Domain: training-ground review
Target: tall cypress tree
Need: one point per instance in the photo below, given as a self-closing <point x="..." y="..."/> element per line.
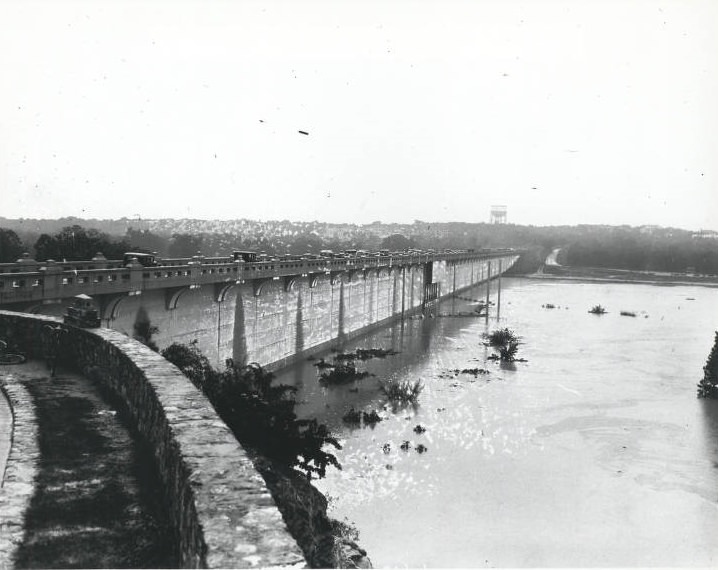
<point x="708" y="387"/>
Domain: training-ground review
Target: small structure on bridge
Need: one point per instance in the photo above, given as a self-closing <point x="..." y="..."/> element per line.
<point x="82" y="312"/>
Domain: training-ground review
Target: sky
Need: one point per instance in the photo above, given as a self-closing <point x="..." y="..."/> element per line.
<point x="567" y="112"/>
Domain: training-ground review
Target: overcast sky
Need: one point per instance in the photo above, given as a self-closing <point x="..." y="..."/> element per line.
<point x="566" y="112"/>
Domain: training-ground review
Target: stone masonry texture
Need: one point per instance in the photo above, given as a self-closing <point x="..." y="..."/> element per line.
<point x="221" y="510"/>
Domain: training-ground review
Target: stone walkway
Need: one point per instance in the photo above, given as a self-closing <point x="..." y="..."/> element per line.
<point x="96" y="502"/>
<point x="5" y="433"/>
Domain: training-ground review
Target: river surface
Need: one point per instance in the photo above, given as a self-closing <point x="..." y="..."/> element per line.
<point x="594" y="452"/>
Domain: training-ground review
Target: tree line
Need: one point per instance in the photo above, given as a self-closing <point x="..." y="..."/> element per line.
<point x="622" y="247"/>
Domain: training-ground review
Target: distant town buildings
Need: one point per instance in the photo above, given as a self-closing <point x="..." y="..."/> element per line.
<point x="706" y="234"/>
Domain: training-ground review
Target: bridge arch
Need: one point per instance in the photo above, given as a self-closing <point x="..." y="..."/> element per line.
<point x="290" y="282"/>
<point x="172" y="296"/>
<point x="221" y="290"/>
<point x="109" y="306"/>
<point x="258" y="286"/>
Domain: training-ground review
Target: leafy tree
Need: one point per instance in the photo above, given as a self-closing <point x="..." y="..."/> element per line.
<point x="77" y="243"/>
<point x="145" y="240"/>
<point x="11" y="247"/>
<point x="260" y="415"/>
<point x="397" y="242"/>
<point x="185" y="245"/>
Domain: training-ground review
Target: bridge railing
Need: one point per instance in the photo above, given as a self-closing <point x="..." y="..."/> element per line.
<point x="35" y="281"/>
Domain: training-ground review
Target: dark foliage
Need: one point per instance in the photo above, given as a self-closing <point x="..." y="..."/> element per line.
<point x="352" y="417"/>
<point x="185" y="245"/>
<point x="708" y="386"/>
<point x="397" y="242"/>
<point x="654" y="250"/>
<point x="146" y="241"/>
<point x="11" y="247"/>
<point x="342" y="374"/>
<point x="260" y="414"/>
<point x="144" y="331"/>
<point x="505" y="343"/>
<point x="365" y="354"/>
<point x="371" y="418"/>
<point x="402" y="391"/>
<point x="75" y="243"/>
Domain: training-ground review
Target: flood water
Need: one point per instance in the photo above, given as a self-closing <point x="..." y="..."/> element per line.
<point x="595" y="452"/>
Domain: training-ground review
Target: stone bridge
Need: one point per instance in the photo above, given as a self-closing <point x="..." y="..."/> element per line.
<point x="269" y="312"/>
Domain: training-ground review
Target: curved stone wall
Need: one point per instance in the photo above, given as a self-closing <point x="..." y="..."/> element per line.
<point x="16" y="483"/>
<point x="222" y="512"/>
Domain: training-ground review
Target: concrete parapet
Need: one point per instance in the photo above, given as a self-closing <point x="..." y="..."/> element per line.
<point x="222" y="513"/>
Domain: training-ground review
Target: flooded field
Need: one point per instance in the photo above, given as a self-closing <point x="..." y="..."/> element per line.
<point x="594" y="452"/>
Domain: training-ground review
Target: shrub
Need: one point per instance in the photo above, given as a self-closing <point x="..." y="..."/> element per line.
<point x="598" y="310"/>
<point x="342" y="374"/>
<point x="352" y="417"/>
<point x="505" y="343"/>
<point x="402" y="390"/>
<point x="371" y="418"/>
<point x="260" y="415"/>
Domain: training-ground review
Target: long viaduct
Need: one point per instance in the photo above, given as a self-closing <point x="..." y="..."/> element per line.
<point x="268" y="312"/>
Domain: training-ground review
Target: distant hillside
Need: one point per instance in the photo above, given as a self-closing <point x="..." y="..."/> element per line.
<point x="642" y="248"/>
<point x="51" y="226"/>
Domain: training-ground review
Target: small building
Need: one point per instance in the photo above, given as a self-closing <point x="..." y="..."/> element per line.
<point x="82" y="312"/>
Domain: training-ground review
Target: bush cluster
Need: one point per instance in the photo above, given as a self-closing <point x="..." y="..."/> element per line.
<point x="260" y="414"/>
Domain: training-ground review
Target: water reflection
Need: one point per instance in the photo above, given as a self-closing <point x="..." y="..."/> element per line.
<point x="593" y="452"/>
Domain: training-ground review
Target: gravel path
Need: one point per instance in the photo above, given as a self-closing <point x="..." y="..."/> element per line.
<point x="95" y="503"/>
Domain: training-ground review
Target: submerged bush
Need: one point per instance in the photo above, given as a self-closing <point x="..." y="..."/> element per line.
<point x="342" y="374"/>
<point x="352" y="417"/>
<point x="708" y="386"/>
<point x="371" y="418"/>
<point x="598" y="310"/>
<point x="260" y="415"/>
<point x="402" y="390"/>
<point x="505" y="343"/>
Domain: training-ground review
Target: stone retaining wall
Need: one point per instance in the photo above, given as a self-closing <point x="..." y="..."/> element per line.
<point x="16" y="486"/>
<point x="222" y="512"/>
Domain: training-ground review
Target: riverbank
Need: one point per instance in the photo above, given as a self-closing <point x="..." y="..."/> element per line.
<point x="606" y="275"/>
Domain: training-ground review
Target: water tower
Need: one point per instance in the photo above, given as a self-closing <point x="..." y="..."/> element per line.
<point x="498" y="214"/>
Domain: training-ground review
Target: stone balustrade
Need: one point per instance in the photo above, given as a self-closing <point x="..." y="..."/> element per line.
<point x="28" y="281"/>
